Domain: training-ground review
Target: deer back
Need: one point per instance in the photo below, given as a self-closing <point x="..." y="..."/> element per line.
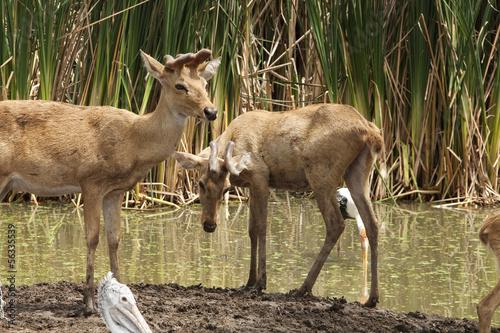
<point x="50" y="148"/>
<point x="281" y="145"/>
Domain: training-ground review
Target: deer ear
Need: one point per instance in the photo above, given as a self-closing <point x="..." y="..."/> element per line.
<point x="154" y="67"/>
<point x="208" y="69"/>
<point x="240" y="162"/>
<point x="190" y="161"/>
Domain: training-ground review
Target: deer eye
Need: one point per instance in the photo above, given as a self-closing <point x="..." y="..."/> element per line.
<point x="181" y="87"/>
<point x="200" y="184"/>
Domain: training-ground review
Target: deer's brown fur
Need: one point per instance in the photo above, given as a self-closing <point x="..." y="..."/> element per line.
<point x="489" y="234"/>
<point x="54" y="148"/>
<point x="305" y="149"/>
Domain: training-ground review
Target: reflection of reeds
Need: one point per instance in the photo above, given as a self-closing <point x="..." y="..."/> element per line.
<point x="426" y="72"/>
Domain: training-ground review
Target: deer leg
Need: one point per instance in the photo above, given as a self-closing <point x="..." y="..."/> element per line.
<point x="258" y="206"/>
<point x="257" y="230"/>
<point x="486" y="308"/>
<point x="92" y="216"/>
<point x="356" y="178"/>
<point x="112" y="205"/>
<point x="252" y="232"/>
<point x="4" y="186"/>
<point x="327" y="199"/>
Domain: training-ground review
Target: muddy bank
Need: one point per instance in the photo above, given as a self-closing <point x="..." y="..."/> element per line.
<point x="57" y="307"/>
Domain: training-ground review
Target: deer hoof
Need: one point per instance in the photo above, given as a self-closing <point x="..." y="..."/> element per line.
<point x="90" y="308"/>
<point x="371" y="302"/>
<point x="301" y="291"/>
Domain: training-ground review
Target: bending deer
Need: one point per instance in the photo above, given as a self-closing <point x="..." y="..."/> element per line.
<point x="489" y="234"/>
<point x="53" y="148"/>
<point x="303" y="149"/>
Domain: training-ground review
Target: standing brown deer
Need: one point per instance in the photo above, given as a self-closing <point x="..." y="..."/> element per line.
<point x="489" y="234"/>
<point x="303" y="149"/>
<point x="53" y="148"/>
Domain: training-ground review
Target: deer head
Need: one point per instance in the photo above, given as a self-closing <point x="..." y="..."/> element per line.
<point x="185" y="79"/>
<point x="214" y="178"/>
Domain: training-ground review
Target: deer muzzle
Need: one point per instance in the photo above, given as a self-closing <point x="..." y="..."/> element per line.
<point x="209" y="227"/>
<point x="210" y="114"/>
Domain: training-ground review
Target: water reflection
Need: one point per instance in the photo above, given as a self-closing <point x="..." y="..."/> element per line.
<point x="430" y="259"/>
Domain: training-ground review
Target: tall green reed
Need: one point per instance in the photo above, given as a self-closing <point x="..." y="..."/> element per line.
<point x="17" y="61"/>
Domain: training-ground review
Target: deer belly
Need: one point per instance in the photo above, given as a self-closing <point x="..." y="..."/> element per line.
<point x="31" y="184"/>
<point x="291" y="180"/>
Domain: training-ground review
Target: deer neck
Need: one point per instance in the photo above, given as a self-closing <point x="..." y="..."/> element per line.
<point x="160" y="131"/>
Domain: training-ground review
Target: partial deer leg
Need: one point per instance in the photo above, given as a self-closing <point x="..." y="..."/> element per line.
<point x="112" y="205"/>
<point x="356" y="178"/>
<point x="257" y="231"/>
<point x="486" y="308"/>
<point x="92" y="216"/>
<point x="326" y="196"/>
<point x="253" y="233"/>
<point x="490" y="235"/>
<point x="4" y="186"/>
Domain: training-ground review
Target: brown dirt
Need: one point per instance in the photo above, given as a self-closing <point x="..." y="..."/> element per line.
<point x="58" y="307"/>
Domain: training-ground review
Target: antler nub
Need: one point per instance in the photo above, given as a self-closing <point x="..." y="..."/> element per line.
<point x="180" y="61"/>
<point x="188" y="59"/>
<point x="212" y="160"/>
<point x="201" y="56"/>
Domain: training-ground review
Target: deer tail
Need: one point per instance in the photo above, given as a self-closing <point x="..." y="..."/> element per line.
<point x="374" y="141"/>
<point x="376" y="144"/>
<point x="483" y="236"/>
<point x="483" y="233"/>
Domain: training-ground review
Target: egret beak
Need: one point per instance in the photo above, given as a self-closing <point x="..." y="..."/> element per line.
<point x="129" y="317"/>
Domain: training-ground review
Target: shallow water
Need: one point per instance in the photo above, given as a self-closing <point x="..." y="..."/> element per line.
<point x="430" y="258"/>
